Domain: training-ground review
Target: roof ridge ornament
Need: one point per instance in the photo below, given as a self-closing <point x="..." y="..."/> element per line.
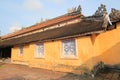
<point x="75" y="11"/>
<point x="101" y="11"/>
<point x="79" y="9"/>
<point x="114" y="15"/>
<point x="113" y="10"/>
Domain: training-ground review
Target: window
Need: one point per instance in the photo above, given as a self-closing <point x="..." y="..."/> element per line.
<point x="21" y="50"/>
<point x="69" y="48"/>
<point x="39" y="50"/>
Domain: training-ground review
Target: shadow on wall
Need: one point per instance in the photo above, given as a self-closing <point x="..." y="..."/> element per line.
<point x="110" y="57"/>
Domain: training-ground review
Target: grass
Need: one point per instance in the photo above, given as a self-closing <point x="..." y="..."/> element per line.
<point x="1" y="65"/>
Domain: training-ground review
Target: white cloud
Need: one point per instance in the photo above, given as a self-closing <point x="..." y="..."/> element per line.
<point x="80" y="0"/>
<point x="58" y="1"/>
<point x="32" y="5"/>
<point x="15" y="28"/>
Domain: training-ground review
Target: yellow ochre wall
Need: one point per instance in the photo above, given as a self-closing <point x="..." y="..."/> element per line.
<point x="90" y="50"/>
<point x="16" y="58"/>
<point x="110" y="46"/>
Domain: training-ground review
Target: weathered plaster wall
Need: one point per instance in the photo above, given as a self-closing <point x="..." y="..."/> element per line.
<point x="90" y="50"/>
<point x="21" y="59"/>
<point x="53" y="58"/>
<point x="110" y="46"/>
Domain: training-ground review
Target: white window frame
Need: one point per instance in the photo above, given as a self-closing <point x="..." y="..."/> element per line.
<point x="37" y="53"/>
<point x="21" y="50"/>
<point x="69" y="55"/>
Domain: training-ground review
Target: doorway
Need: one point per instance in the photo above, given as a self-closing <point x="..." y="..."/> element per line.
<point x="5" y="54"/>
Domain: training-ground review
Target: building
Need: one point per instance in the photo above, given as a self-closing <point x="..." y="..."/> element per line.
<point x="68" y="43"/>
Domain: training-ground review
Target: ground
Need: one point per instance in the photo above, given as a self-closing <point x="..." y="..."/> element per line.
<point x="20" y="72"/>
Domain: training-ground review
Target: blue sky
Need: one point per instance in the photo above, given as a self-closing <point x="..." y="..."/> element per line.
<point x="15" y="14"/>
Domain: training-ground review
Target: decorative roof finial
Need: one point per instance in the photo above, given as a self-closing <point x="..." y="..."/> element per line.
<point x="114" y="15"/>
<point x="79" y="9"/>
<point x="101" y="10"/>
<point x="75" y="11"/>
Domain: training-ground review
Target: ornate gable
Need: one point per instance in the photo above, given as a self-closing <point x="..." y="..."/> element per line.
<point x="114" y="15"/>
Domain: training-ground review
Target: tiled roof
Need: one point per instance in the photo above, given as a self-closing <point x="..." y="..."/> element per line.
<point x="85" y="27"/>
<point x="48" y="23"/>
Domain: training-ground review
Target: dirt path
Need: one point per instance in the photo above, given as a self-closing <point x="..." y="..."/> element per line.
<point x="20" y="72"/>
